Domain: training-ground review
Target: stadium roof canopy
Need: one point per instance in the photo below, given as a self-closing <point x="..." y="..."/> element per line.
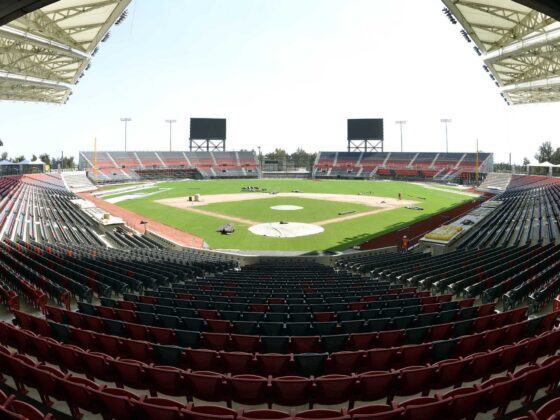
<point x="520" y="45"/>
<point x="46" y="51"/>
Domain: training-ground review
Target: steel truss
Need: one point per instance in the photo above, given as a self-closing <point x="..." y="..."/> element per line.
<point x="53" y="46"/>
<point x="199" y="145"/>
<point x="520" y="47"/>
<point x="365" y="145"/>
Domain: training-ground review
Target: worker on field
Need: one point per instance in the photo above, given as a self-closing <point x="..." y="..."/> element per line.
<point x="400" y="196"/>
<point x="404" y="244"/>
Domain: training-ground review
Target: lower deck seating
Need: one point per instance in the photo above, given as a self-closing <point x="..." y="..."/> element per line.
<point x="126" y="166"/>
<point x="140" y="331"/>
<point x="399" y="165"/>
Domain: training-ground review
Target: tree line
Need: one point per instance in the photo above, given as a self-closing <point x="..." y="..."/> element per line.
<point x="299" y="159"/>
<point x="54" y="163"/>
<point x="547" y="153"/>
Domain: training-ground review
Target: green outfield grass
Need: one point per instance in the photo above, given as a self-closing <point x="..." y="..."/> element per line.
<point x="337" y="236"/>
<point x="260" y="210"/>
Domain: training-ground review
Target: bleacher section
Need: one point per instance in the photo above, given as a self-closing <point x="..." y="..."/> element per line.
<point x="496" y="182"/>
<point x="221" y="345"/>
<point x="512" y="276"/>
<point x="407" y="165"/>
<point x="77" y="181"/>
<point x="126" y="166"/>
<point x="528" y="212"/>
<point x="183" y="334"/>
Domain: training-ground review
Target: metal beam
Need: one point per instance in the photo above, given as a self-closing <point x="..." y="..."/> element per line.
<point x="520" y="45"/>
<point x="548" y="7"/>
<point x="38" y="61"/>
<point x="32" y="90"/>
<point x="14" y="9"/>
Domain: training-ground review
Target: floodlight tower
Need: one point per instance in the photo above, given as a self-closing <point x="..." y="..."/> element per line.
<point x="170" y="122"/>
<point x="401" y="123"/>
<point x="125" y="120"/>
<point x="446" y="121"/>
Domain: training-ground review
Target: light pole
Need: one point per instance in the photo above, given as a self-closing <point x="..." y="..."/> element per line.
<point x="401" y="123"/>
<point x="260" y="162"/>
<point x="125" y="120"/>
<point x="446" y="121"/>
<point x="170" y="122"/>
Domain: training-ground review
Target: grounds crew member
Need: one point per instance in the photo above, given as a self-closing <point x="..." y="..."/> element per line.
<point x="404" y="244"/>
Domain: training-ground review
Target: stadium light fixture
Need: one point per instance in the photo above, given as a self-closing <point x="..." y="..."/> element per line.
<point x="401" y="123"/>
<point x="446" y="121"/>
<point x="170" y="122"/>
<point x="125" y="120"/>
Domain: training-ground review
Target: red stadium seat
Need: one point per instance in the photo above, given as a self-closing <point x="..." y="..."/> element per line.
<point x="116" y="402"/>
<point x="334" y="389"/>
<point x="291" y="390"/>
<point x="248" y="389"/>
<point x="264" y="414"/>
<point x="154" y="408"/>
<point x="376" y="412"/>
<point x="210" y="412"/>
<point x="321" y="414"/>
<point x="205" y="385"/>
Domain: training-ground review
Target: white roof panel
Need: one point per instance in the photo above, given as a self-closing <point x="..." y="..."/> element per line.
<point x="520" y="46"/>
<point x="54" y="44"/>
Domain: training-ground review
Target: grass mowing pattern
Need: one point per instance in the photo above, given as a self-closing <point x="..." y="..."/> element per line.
<point x="337" y="236"/>
<point x="260" y="211"/>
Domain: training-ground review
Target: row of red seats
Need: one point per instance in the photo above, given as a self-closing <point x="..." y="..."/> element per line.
<point x="218" y="315"/>
<point x="9" y="297"/>
<point x="80" y="393"/>
<point x="14" y="409"/>
<point x="233" y="290"/>
<point x="549" y="411"/>
<point x="220" y="341"/>
<point x="280" y="364"/>
<point x="103" y="366"/>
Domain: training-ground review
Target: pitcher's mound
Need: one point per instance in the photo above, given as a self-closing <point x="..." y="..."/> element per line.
<point x="286" y="207"/>
<point x="287" y="230"/>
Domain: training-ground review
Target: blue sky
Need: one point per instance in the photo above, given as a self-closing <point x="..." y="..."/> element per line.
<point x="286" y="73"/>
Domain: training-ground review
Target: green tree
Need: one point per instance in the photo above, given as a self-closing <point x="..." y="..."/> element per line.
<point x="555" y="158"/>
<point x="67" y="163"/>
<point x="502" y="167"/>
<point x="545" y="152"/>
<point x="18" y="159"/>
<point x="526" y="161"/>
<point x="4" y="156"/>
<point x="45" y="158"/>
<point x="301" y="159"/>
<point x="277" y="154"/>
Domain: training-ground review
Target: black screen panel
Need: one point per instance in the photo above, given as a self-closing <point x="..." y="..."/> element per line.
<point x="365" y="129"/>
<point x="208" y="128"/>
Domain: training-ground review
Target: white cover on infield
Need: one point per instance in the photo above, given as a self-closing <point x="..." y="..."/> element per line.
<point x="286" y="207"/>
<point x="288" y="230"/>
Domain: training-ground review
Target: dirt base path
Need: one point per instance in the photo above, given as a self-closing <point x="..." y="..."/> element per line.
<point x="351" y="217"/>
<point x="223" y="216"/>
<point x="133" y="220"/>
<point x="367" y="200"/>
<point x="381" y="204"/>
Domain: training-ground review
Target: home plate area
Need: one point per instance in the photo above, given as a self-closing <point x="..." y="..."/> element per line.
<point x="285" y="230"/>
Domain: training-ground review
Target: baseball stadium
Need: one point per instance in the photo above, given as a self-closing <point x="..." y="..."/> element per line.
<point x="213" y="283"/>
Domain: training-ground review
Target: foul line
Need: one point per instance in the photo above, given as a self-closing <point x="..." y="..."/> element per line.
<point x="351" y="217"/>
<point x="320" y="223"/>
<point x="223" y="216"/>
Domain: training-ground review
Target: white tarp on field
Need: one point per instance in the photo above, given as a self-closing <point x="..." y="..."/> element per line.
<point x="285" y="230"/>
